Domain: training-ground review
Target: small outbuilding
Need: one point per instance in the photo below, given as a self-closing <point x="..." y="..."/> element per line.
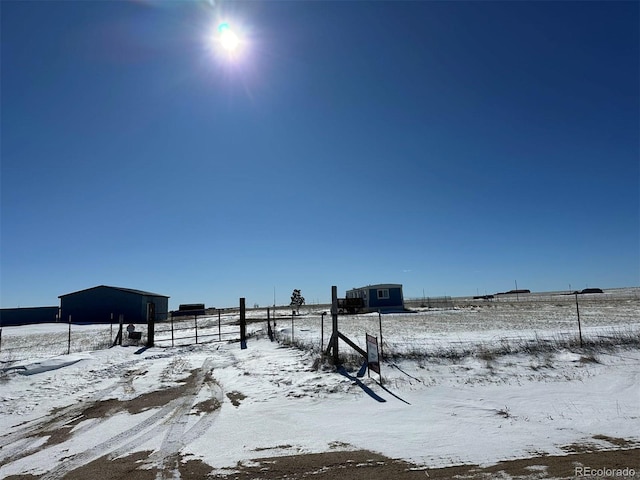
<point x="104" y="304"/>
<point x="28" y="316"/>
<point x="384" y="297"/>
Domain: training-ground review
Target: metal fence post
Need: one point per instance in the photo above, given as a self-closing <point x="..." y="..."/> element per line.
<point x="69" y="338"/>
<point x="579" y="326"/>
<point x="172" y="344"/>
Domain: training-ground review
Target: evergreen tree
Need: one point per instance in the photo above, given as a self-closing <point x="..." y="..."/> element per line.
<point x="297" y="300"/>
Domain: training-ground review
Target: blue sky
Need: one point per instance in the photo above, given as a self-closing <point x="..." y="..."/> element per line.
<point x="453" y="147"/>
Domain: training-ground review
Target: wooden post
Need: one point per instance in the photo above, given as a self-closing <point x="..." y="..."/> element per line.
<point x="121" y="321"/>
<point x="69" y="339"/>
<point x="219" y="331"/>
<point x="151" y="323"/>
<point x="349" y="342"/>
<point x="334" y="324"/>
<point x="243" y="325"/>
<point x="195" y="319"/>
<point x="292" y="316"/>
<point x="111" y="329"/>
<point x="380" y="320"/>
<point x="322" y="331"/>
<point x="579" y="326"/>
<point x="269" y="330"/>
<point x="118" y="339"/>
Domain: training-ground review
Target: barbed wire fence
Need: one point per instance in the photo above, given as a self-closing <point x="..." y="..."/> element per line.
<point x="439" y="326"/>
<point x="60" y="339"/>
<point x="476" y="326"/>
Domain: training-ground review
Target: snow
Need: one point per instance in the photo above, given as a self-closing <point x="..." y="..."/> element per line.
<point x="225" y="405"/>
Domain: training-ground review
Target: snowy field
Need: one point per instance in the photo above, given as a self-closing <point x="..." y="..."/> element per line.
<point x="473" y="385"/>
<point x="508" y="324"/>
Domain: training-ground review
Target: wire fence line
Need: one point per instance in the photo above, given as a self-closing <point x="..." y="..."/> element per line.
<point x="195" y="329"/>
<point x="26" y="342"/>
<point x="429" y="302"/>
<point x="17" y="343"/>
<point x="539" y="325"/>
<point x="435" y="327"/>
<point x="568" y="296"/>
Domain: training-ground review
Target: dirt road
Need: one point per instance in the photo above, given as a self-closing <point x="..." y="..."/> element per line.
<point x="364" y="465"/>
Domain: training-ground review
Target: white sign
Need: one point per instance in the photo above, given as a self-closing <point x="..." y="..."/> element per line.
<point x="372" y="354"/>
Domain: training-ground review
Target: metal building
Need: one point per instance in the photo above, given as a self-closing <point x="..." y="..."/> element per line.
<point x="384" y="297"/>
<point x="27" y="316"/>
<point x="104" y="304"/>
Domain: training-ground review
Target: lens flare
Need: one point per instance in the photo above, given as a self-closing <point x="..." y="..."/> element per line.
<point x="228" y="39"/>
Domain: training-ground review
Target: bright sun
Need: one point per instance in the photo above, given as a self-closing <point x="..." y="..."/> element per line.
<point x="228" y="39"/>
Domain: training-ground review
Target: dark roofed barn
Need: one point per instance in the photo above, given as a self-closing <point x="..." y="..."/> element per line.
<point x="101" y="304"/>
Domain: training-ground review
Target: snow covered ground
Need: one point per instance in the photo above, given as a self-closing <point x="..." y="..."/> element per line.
<point x="226" y="407"/>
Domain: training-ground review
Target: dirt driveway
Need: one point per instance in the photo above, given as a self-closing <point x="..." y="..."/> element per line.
<point x="364" y="465"/>
<point x="122" y="456"/>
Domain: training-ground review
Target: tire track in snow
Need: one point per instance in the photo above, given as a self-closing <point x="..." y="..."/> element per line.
<point x="28" y="439"/>
<point x="169" y="421"/>
<point x="167" y="458"/>
<point x="193" y="433"/>
<point x="205" y="422"/>
<point x="99" y="450"/>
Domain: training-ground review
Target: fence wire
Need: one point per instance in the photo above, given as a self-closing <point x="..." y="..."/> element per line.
<point x="546" y="323"/>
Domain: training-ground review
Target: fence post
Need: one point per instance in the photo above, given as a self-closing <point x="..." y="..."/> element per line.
<point x="69" y="338"/>
<point x="292" y="317"/>
<point x="120" y="321"/>
<point x="243" y="325"/>
<point x="269" y="331"/>
<point x="579" y="326"/>
<point x="322" y="331"/>
<point x="151" y="324"/>
<point x="195" y="319"/>
<point x="334" y="324"/>
<point x="172" y="344"/>
<point x="219" y="331"/>
<point x="381" y="351"/>
<point x="111" y="329"/>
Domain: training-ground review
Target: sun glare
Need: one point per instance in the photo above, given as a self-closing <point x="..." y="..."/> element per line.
<point x="229" y="41"/>
<point x="228" y="38"/>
